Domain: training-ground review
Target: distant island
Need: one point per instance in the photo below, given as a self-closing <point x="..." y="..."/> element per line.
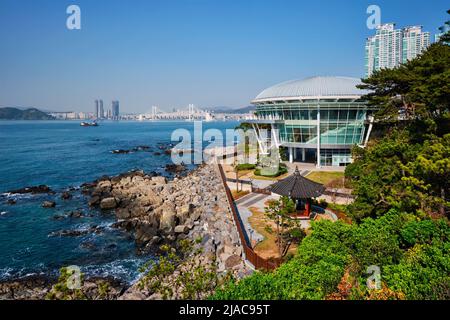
<point x="27" y="114"/>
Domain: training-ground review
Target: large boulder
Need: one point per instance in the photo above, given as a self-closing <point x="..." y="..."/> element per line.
<point x="149" y="198"/>
<point x="95" y="200"/>
<point x="232" y="261"/>
<point x="137" y="179"/>
<point x="48" y="204"/>
<point x="175" y="168"/>
<point x="66" y="195"/>
<point x="123" y="213"/>
<point x="132" y="294"/>
<point x="183" y="212"/>
<point x="104" y="185"/>
<point x="167" y="220"/>
<point x="181" y="229"/>
<point x="145" y="232"/>
<point x="108" y="203"/>
<point x="159" y="180"/>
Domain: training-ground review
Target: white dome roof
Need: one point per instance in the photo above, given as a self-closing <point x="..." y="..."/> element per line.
<point x="314" y="87"/>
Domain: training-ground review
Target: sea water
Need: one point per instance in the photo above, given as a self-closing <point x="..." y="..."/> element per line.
<point x="62" y="154"/>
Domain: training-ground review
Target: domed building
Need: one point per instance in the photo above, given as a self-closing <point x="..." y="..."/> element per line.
<point x="317" y="119"/>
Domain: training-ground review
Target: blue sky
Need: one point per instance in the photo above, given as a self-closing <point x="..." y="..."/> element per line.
<point x="171" y="53"/>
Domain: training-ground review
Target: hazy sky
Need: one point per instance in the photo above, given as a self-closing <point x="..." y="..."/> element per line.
<point x="172" y="53"/>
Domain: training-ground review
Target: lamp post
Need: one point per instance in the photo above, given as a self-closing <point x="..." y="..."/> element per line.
<point x="237" y="178"/>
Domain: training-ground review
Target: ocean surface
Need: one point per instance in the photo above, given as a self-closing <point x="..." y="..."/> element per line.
<point x="64" y="155"/>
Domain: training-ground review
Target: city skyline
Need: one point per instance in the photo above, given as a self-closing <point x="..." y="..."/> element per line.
<point x="202" y="52"/>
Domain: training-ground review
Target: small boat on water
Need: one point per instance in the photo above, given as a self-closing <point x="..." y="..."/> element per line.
<point x="89" y="124"/>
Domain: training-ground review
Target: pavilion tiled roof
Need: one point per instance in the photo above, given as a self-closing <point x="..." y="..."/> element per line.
<point x="298" y="187"/>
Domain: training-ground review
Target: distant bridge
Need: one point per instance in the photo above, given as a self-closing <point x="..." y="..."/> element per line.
<point x="190" y="113"/>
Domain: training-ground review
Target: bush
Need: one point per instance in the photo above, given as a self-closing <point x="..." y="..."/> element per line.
<point x="245" y="166"/>
<point x="423" y="274"/>
<point x="282" y="169"/>
<point x="423" y="232"/>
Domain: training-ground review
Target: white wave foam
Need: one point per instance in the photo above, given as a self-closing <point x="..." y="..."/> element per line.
<point x="124" y="269"/>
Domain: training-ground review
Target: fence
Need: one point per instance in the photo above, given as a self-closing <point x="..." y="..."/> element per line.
<point x="239" y="181"/>
<point x="330" y="193"/>
<point x="257" y="261"/>
<point x="261" y="190"/>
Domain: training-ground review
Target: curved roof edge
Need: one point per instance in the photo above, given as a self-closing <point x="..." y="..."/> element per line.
<point x="313" y="88"/>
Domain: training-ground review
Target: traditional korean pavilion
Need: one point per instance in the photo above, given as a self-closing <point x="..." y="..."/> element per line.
<point x="300" y="189"/>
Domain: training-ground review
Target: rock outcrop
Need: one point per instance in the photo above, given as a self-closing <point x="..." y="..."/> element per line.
<point x="38" y="287"/>
<point x="48" y="204"/>
<point x="159" y="211"/>
<point x="33" y="190"/>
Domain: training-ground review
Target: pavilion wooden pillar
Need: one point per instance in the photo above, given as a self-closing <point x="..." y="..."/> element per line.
<point x="308" y="207"/>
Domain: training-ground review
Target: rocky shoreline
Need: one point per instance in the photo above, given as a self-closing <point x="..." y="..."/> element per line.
<point x="38" y="287"/>
<point x="156" y="212"/>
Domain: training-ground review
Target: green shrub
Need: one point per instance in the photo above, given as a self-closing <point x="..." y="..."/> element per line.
<point x="282" y="169"/>
<point x="245" y="166"/>
<point x="422" y="232"/>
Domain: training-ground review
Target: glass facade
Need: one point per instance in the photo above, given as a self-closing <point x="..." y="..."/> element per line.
<point x="332" y="157"/>
<point x="341" y="123"/>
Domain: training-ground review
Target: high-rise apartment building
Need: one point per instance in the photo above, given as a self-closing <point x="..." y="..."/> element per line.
<point x="97" y="110"/>
<point x="115" y="110"/>
<point x="390" y="47"/>
<point x="102" y="111"/>
<point x="414" y="42"/>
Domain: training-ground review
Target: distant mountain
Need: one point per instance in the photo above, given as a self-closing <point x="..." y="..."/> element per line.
<point x="27" y="114"/>
<point x="232" y="110"/>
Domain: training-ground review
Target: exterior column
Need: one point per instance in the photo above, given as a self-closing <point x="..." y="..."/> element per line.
<point x="318" y="136"/>
<point x="371" y="118"/>
<point x="303" y="154"/>
<point x="291" y="155"/>
<point x="308" y="207"/>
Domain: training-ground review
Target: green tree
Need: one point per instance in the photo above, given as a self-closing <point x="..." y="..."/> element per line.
<point x="429" y="173"/>
<point x="287" y="229"/>
<point x="418" y="89"/>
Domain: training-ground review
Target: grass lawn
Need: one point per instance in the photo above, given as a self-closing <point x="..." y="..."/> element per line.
<point x="269" y="178"/>
<point x="325" y="177"/>
<point x="239" y="194"/>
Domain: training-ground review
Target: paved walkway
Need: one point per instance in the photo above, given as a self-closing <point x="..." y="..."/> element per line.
<point x="243" y="205"/>
<point x="263" y="183"/>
